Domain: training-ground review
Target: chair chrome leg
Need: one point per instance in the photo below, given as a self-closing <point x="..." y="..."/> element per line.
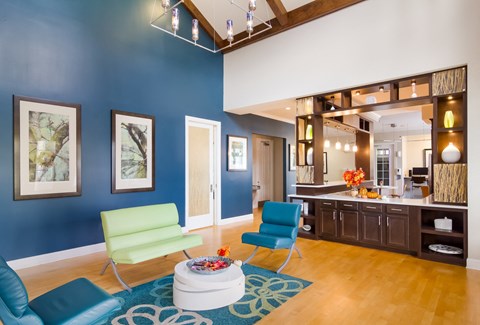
<point x="288" y="259"/>
<point x="124" y="285"/>
<point x="104" y="268"/>
<point x="251" y="256"/>
<point x="298" y="251"/>
<point x="186" y="254"/>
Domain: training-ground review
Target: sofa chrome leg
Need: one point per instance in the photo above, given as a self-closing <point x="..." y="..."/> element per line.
<point x="251" y="256"/>
<point x="298" y="251"/>
<point x="104" y="268"/>
<point x="187" y="255"/>
<point x="124" y="285"/>
<point x="286" y="261"/>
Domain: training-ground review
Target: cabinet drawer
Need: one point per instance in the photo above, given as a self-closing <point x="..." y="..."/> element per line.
<point x="397" y="209"/>
<point x="325" y="204"/>
<point x="374" y="207"/>
<point x="347" y="205"/>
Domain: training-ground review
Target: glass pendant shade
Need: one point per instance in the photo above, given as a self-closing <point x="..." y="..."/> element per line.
<point x="310" y="156"/>
<point x="414" y="89"/>
<point x="249" y="22"/>
<point x="451" y="154"/>
<point x="195" y="30"/>
<point x="338" y="145"/>
<point x="166" y="4"/>
<point x="346" y="147"/>
<point x="175" y="19"/>
<point x="448" y="119"/>
<point x="252" y="5"/>
<point x="354" y="148"/>
<point x="230" y="30"/>
<point x="326" y="144"/>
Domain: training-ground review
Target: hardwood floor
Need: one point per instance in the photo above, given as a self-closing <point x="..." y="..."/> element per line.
<point x="351" y="285"/>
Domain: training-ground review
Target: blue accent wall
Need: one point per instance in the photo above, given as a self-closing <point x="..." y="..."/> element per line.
<point x="104" y="55"/>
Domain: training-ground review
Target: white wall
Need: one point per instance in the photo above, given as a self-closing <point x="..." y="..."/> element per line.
<point x="338" y="160"/>
<point x="412" y="151"/>
<point x="372" y="41"/>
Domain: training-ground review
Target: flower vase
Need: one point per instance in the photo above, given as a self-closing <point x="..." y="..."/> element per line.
<point x="354" y="191"/>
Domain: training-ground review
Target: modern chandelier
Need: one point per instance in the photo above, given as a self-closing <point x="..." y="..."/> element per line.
<point x="169" y="21"/>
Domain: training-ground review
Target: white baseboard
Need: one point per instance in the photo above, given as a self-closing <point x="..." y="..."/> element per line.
<point x="247" y="217"/>
<point x="473" y="263"/>
<point x="24" y="263"/>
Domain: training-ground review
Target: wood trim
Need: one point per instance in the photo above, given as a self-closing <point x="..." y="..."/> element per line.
<point x="297" y="17"/>
<point x="279" y="10"/>
<point x="207" y="27"/>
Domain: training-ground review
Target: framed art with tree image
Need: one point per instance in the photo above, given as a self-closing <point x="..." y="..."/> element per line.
<point x="237" y="153"/>
<point x="133" y="152"/>
<point x="47" y="148"/>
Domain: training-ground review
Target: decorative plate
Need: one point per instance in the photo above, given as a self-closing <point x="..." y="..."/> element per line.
<point x="209" y="264"/>
<point x="445" y="249"/>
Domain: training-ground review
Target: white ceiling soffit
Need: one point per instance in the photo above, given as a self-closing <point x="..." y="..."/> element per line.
<point x="218" y="11"/>
<point x="294" y="4"/>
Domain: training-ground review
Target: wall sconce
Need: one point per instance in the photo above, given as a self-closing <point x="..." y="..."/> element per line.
<point x="448" y="119"/>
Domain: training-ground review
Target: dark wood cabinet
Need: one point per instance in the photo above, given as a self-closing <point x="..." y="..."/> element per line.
<point x="372" y="228"/>
<point x="397" y="231"/>
<point x="349" y="225"/>
<point x="328" y="221"/>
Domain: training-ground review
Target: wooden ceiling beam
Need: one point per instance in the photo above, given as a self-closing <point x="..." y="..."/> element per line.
<point x="279" y="10"/>
<point x="299" y="16"/>
<point x="207" y="27"/>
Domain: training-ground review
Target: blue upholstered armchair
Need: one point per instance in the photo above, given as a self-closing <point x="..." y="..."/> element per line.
<point x="77" y="302"/>
<point x="278" y="230"/>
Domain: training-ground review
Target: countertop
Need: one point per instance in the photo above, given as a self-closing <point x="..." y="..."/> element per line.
<point x="343" y="196"/>
<point x="328" y="184"/>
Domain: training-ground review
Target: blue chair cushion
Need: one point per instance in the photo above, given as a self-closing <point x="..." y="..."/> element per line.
<point x="76" y="302"/>
<point x="265" y="240"/>
<point x="281" y="213"/>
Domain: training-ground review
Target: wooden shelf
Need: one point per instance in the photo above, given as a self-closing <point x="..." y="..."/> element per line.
<point x="433" y="231"/>
<point x="308" y="216"/>
<point x="444" y="258"/>
<point x="449" y="130"/>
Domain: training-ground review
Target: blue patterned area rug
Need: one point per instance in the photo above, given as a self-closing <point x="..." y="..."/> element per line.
<point x="152" y="303"/>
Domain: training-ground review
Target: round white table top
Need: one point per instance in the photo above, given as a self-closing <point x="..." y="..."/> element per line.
<point x="222" y="280"/>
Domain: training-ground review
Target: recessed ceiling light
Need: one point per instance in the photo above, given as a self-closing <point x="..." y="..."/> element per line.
<point x="450" y="97"/>
<point x="288" y="108"/>
<point x="357" y="93"/>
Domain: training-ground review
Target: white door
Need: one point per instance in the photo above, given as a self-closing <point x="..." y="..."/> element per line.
<point x="201" y="178"/>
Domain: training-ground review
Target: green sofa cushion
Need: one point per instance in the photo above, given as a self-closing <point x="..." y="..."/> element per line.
<point x="130" y="220"/>
<point x="148" y="251"/>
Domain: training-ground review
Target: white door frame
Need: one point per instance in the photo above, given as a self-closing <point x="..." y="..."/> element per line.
<point x="217" y="170"/>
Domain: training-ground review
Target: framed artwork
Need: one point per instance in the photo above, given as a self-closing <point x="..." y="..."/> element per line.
<point x="427" y="158"/>
<point x="325" y="163"/>
<point x="237" y="153"/>
<point x="133" y="152"/>
<point x="292" y="157"/>
<point x="47" y="143"/>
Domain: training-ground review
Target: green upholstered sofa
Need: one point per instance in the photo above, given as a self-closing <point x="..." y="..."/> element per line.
<point x="138" y="234"/>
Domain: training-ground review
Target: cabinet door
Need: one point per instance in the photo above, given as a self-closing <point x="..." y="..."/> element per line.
<point x="372" y="228"/>
<point x="328" y="219"/>
<point x="349" y="225"/>
<point x="397" y="231"/>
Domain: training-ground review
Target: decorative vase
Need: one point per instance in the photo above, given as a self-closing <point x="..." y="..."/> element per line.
<point x="354" y="191"/>
<point x="450" y="154"/>
<point x="448" y="119"/>
<point x="309" y="132"/>
<point x="310" y="157"/>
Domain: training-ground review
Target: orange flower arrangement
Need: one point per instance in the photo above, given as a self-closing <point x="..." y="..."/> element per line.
<point x="354" y="177"/>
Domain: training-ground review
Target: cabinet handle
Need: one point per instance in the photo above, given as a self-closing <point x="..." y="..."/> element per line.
<point x="369" y="207"/>
<point x="395" y="209"/>
<point x="334" y="215"/>
<point x="341" y="217"/>
<point x="379" y="220"/>
<point x="388" y="221"/>
<point x="347" y="205"/>
<point x="327" y="203"/>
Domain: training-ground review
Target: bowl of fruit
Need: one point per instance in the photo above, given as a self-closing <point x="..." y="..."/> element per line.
<point x="209" y="264"/>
